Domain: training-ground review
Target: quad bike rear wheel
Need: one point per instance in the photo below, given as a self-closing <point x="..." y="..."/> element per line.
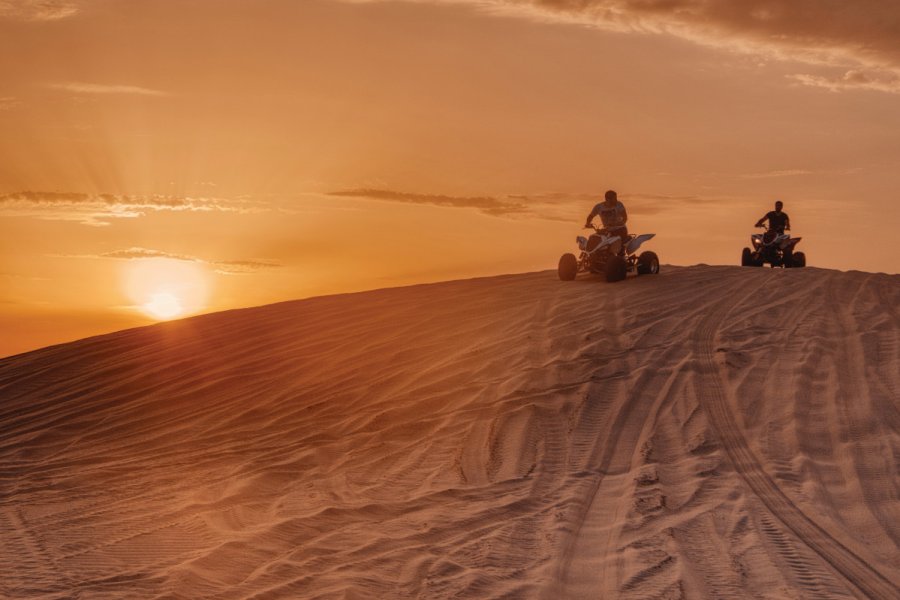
<point x="616" y="268"/>
<point x="798" y="260"/>
<point x="787" y="259"/>
<point x="568" y="267"/>
<point x="648" y="263"/>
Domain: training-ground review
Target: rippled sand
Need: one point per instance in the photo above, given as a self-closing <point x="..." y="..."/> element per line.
<point x="710" y="432"/>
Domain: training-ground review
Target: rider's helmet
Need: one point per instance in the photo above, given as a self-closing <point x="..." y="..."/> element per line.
<point x="779" y="205"/>
<point x="610" y="196"/>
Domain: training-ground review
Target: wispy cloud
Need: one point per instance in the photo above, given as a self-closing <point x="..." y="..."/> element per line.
<point x="224" y="267"/>
<point x="101" y="209"/>
<point x="37" y="10"/>
<point x="778" y="173"/>
<point x="76" y="87"/>
<point x="864" y="34"/>
<point x="651" y="204"/>
<point x="554" y="206"/>
<point x="8" y="102"/>
<point x="486" y="204"/>
<point x="105" y="89"/>
<point x="853" y="80"/>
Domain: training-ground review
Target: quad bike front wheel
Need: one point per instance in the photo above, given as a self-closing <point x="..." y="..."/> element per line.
<point x="648" y="263"/>
<point x="798" y="260"/>
<point x="568" y="267"/>
<point x="616" y="268"/>
<point x="746" y="258"/>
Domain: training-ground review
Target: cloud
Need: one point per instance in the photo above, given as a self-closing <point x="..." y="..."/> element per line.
<point x="101" y="209"/>
<point x="863" y="34"/>
<point x="496" y="207"/>
<point x="105" y="89"/>
<point x="652" y="204"/>
<point x="567" y="206"/>
<point x="224" y="267"/>
<point x="853" y="80"/>
<point x="8" y="102"/>
<point x="778" y="173"/>
<point x="37" y="10"/>
<point x="553" y="206"/>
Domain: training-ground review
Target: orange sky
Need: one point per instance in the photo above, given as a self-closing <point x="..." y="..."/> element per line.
<point x="243" y="152"/>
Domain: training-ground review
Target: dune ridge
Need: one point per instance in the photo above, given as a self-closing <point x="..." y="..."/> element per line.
<point x="708" y="432"/>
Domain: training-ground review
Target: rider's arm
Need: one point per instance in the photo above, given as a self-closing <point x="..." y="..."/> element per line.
<point x="590" y="217"/>
<point x="624" y="215"/>
<point x="787" y="222"/>
<point x="760" y="222"/>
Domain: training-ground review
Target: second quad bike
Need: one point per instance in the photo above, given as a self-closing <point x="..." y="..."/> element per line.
<point x="608" y="254"/>
<point x="775" y="248"/>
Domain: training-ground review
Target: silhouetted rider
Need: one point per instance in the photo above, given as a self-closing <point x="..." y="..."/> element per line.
<point x="778" y="220"/>
<point x="612" y="214"/>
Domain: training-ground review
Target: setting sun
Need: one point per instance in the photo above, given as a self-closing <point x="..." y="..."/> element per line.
<point x="163" y="306"/>
<point x="163" y="288"/>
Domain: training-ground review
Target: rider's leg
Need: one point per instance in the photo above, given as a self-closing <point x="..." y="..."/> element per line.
<point x="623" y="234"/>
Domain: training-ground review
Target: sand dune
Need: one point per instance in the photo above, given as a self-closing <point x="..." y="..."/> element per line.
<point x="712" y="432"/>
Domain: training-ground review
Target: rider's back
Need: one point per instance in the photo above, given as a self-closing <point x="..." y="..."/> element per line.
<point x="777" y="220"/>
<point x="611" y="216"/>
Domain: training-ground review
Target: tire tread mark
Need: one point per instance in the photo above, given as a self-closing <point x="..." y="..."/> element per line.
<point x="714" y="399"/>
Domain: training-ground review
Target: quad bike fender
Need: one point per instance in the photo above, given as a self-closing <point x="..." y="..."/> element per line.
<point x="613" y="245"/>
<point x="603" y="244"/>
<point x="791" y="243"/>
<point x="634" y="244"/>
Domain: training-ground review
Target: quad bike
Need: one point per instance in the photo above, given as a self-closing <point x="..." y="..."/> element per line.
<point x="606" y="254"/>
<point x="774" y="248"/>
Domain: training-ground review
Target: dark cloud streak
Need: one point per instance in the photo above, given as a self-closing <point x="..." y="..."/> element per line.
<point x="861" y="37"/>
<point x="77" y="87"/>
<point x="224" y="267"/>
<point x="100" y="209"/>
<point x="495" y="207"/>
<point x="554" y="206"/>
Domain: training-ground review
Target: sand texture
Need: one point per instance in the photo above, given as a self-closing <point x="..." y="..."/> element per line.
<point x="710" y="432"/>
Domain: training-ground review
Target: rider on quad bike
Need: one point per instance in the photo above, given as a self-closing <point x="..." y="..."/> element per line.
<point x="774" y="246"/>
<point x="609" y="250"/>
<point x="778" y="221"/>
<point x="613" y="216"/>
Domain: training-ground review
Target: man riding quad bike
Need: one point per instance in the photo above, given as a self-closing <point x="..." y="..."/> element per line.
<point x="775" y="246"/>
<point x="610" y="250"/>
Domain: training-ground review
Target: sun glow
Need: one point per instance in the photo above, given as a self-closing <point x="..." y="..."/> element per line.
<point x="164" y="288"/>
<point x="163" y="306"/>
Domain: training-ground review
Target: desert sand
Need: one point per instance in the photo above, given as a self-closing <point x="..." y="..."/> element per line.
<point x="710" y="432"/>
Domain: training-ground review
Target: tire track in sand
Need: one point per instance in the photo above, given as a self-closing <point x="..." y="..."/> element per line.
<point x="713" y="394"/>
<point x="17" y="538"/>
<point x="612" y="454"/>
